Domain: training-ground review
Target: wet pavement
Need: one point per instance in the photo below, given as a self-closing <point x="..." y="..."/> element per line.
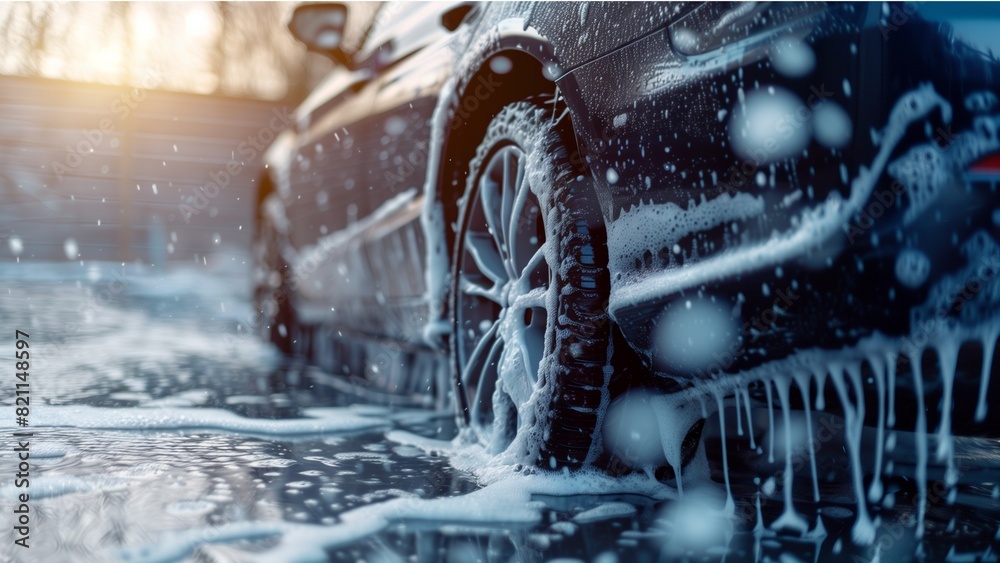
<point x="162" y="430"/>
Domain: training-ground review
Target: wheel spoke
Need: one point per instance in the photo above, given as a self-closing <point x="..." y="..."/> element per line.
<point x="472" y="365"/>
<point x="510" y="163"/>
<point x="471" y="288"/>
<point x="534" y="299"/>
<point x="518" y="241"/>
<point x="537" y="265"/>
<point x="481" y="247"/>
<point x="518" y="382"/>
<point x="533" y="342"/>
<point x="490" y="199"/>
<point x="504" y="274"/>
<point x="483" y="400"/>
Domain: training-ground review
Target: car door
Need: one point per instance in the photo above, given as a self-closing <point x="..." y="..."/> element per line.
<point x="417" y="47"/>
<point x="358" y="173"/>
<point x="329" y="185"/>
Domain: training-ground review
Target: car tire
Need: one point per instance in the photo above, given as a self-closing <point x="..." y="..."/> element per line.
<point x="530" y="336"/>
<point x="274" y="315"/>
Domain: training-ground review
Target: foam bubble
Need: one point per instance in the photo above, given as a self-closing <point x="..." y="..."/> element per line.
<point x="631" y="432"/>
<point x="768" y="126"/>
<point x="792" y="58"/>
<point x="832" y="125"/>
<point x="693" y="334"/>
<point x="912" y="268"/>
<point x="71" y="249"/>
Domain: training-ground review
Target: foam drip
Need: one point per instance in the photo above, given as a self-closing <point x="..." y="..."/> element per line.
<point x="891" y="359"/>
<point x="770" y="424"/>
<point x="668" y="419"/>
<point x="802" y="380"/>
<point x="820" y="377"/>
<point x="746" y="403"/>
<point x="863" y="531"/>
<point x="843" y="369"/>
<point x="739" y="416"/>
<point x="947" y="358"/>
<point x="730" y="504"/>
<point x="989" y="344"/>
<point x="918" y="386"/>
<point x="875" y="489"/>
<point x="789" y="519"/>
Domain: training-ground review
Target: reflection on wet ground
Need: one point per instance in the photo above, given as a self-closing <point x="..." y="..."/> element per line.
<point x="164" y="431"/>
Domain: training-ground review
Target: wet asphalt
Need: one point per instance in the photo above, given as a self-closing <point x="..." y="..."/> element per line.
<point x="142" y="383"/>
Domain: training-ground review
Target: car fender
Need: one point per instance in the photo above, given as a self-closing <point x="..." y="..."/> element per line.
<point x="509" y="35"/>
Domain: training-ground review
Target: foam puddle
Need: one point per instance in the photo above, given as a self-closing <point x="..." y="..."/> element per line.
<point x="508" y="497"/>
<point x="504" y="501"/>
<point x="321" y="421"/>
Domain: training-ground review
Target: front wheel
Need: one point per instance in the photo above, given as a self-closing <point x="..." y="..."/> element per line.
<point x="530" y="332"/>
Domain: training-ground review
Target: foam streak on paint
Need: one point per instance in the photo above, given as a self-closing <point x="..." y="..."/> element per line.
<point x="814" y="226"/>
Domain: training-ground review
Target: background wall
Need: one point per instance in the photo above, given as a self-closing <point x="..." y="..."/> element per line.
<point x="114" y="114"/>
<point x="97" y="172"/>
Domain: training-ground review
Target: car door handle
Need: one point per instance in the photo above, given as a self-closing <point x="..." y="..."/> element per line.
<point x="453" y="17"/>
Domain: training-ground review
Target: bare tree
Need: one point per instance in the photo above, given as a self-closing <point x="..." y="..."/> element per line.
<point x="248" y="51"/>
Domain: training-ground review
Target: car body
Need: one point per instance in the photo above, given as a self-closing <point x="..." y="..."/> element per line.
<point x="782" y="186"/>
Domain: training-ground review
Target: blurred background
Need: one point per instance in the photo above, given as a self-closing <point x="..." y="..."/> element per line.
<point x="114" y="116"/>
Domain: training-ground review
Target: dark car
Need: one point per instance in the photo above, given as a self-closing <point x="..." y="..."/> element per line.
<point x="536" y="209"/>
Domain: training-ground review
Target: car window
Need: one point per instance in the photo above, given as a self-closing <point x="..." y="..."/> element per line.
<point x="404" y="24"/>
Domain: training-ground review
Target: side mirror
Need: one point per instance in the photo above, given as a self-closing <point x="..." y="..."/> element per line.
<point x="320" y="27"/>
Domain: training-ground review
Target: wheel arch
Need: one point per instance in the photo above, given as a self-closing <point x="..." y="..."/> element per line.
<point x="471" y="112"/>
<point x="461" y="121"/>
